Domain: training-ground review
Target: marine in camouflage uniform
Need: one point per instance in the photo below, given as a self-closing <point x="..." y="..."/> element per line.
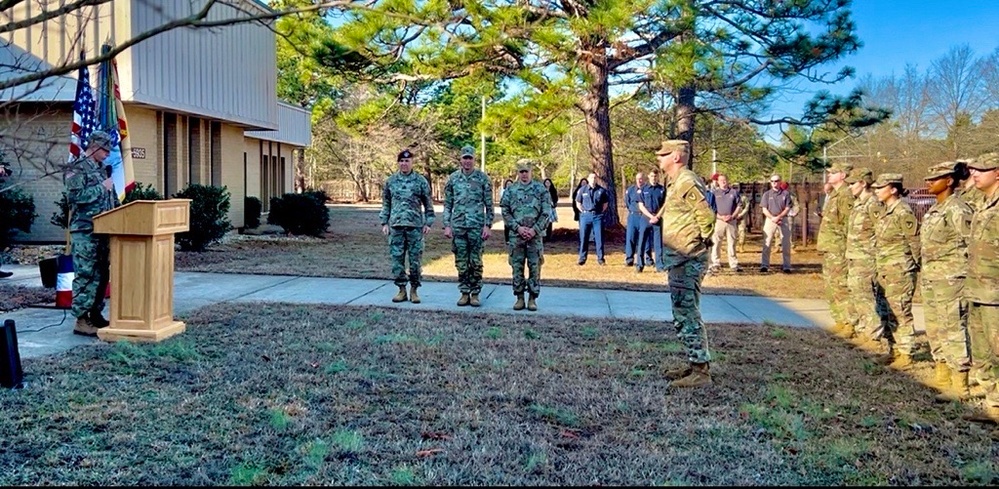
<point x="741" y="217"/>
<point x="868" y="310"/>
<point x="688" y="224"/>
<point x="896" y="238"/>
<point x="944" y="237"/>
<point x="468" y="218"/>
<point x="89" y="192"/>
<point x="407" y="214"/>
<point x="527" y="207"/>
<point x="832" y="245"/>
<point x="981" y="287"/>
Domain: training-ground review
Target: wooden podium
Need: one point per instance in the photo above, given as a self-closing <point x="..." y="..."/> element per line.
<point x="142" y="268"/>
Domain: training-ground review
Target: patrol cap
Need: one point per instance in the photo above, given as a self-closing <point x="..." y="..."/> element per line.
<point x="672" y="146"/>
<point x="524" y="164"/>
<point x="99" y="139"/>
<point x="985" y="162"/>
<point x="941" y="170"/>
<point x="886" y="179"/>
<point x="862" y="174"/>
<point x="467" y="151"/>
<point x="840" y="167"/>
<point x="405" y="154"/>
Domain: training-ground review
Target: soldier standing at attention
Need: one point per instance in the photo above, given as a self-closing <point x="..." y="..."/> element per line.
<point x="896" y="241"/>
<point x="526" y="209"/>
<point x="90" y="192"/>
<point x="632" y="238"/>
<point x="688" y="224"/>
<point x="868" y="310"/>
<point x="981" y="287"/>
<point x="832" y="245"/>
<point x="468" y="218"/>
<point x="405" y="223"/>
<point x="944" y="239"/>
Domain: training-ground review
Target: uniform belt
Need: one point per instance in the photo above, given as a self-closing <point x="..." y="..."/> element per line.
<point x="590" y="212"/>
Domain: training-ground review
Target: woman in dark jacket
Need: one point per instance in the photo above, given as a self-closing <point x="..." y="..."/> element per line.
<point x="553" y="192"/>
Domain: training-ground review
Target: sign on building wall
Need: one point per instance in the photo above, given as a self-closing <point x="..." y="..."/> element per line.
<point x="139" y="153"/>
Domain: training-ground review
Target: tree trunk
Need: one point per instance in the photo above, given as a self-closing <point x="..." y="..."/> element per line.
<point x="299" y="158"/>
<point x="685" y="118"/>
<point x="596" y="113"/>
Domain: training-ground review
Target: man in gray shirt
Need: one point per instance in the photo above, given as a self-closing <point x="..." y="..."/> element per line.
<point x="776" y="204"/>
<point x="728" y="203"/>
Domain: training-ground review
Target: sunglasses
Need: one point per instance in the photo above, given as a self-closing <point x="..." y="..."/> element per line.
<point x="523" y="171"/>
<point x="774" y="181"/>
<point x="466" y="157"/>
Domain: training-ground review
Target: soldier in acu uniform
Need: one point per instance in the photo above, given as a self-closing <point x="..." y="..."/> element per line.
<point x="468" y="218"/>
<point x="90" y="192"/>
<point x="981" y="287"/>
<point x="867" y="310"/>
<point x="526" y="209"/>
<point x="896" y="239"/>
<point x="944" y="240"/>
<point x="407" y="214"/>
<point x="688" y="224"/>
<point x="832" y="245"/>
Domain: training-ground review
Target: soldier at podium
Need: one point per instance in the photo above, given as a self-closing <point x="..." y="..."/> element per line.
<point x="89" y="192"/>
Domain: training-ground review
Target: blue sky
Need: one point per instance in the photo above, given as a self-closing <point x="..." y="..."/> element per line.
<point x="899" y="32"/>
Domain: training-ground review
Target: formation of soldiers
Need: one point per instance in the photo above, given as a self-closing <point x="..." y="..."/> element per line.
<point x="874" y="250"/>
<point x="685" y="227"/>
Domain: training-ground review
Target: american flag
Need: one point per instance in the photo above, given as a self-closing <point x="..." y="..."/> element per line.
<point x="84" y="114"/>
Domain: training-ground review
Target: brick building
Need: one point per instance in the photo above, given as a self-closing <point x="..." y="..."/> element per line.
<point x="201" y="103"/>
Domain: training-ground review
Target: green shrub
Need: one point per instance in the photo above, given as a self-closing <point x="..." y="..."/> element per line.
<point x="209" y="216"/>
<point x="141" y="192"/>
<point x="17" y="213"/>
<point x="251" y="212"/>
<point x="303" y="213"/>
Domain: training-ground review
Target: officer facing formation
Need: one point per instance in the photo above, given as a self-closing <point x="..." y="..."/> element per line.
<point x="981" y="287"/>
<point x="688" y="224"/>
<point x="407" y="214"/>
<point x="90" y="192"/>
<point x="944" y="239"/>
<point x="468" y="218"/>
<point x="896" y="239"/>
<point x="867" y="310"/>
<point x="832" y="245"/>
<point x="526" y="208"/>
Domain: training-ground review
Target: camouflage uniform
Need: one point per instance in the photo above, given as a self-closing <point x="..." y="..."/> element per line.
<point x="743" y="222"/>
<point x="896" y="237"/>
<point x="944" y="240"/>
<point x="529" y="205"/>
<point x="87" y="197"/>
<point x="981" y="289"/>
<point x="971" y="196"/>
<point x="688" y="224"/>
<point x="402" y="199"/>
<point x="468" y="207"/>
<point x="832" y="245"/>
<point x="868" y="309"/>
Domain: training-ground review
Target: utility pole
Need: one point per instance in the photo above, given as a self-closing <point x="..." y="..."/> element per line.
<point x="483" y="135"/>
<point x="714" y="159"/>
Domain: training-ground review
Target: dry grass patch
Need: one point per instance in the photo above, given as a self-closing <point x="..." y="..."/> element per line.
<point x="293" y="395"/>
<point x="14" y="297"/>
<point x="355" y="248"/>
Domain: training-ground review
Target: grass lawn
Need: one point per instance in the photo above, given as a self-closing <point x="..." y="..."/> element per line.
<point x="287" y="395"/>
<point x="355" y="248"/>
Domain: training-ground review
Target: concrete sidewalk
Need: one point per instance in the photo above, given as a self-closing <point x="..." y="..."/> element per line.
<point x="193" y="290"/>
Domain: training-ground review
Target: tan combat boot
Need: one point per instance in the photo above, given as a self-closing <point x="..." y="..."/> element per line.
<point x="473" y="300"/>
<point x="463" y="301"/>
<point x="84" y="327"/>
<point x="700" y="375"/>
<point x="401" y="296"/>
<point x="678" y="373"/>
<point x="531" y="305"/>
<point x="901" y="361"/>
<point x="520" y="302"/>
<point x="941" y="376"/>
<point x="413" y="297"/>
<point x="957" y="389"/>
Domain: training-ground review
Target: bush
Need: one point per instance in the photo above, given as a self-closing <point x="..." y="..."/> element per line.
<point x="209" y="216"/>
<point x="61" y="217"/>
<point x="141" y="192"/>
<point x="17" y="213"/>
<point x="251" y="212"/>
<point x="303" y="213"/>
